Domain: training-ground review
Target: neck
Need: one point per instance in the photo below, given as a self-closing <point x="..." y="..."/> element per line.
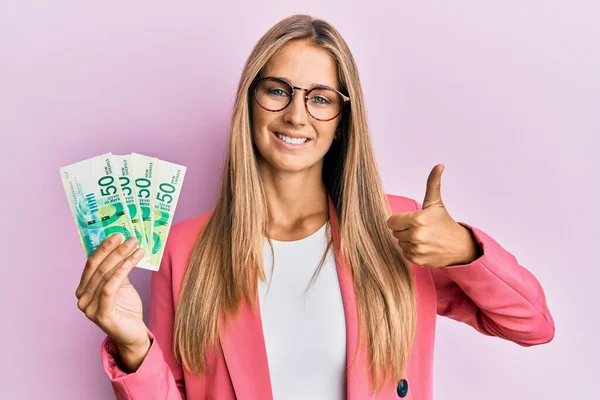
<point x="297" y="201"/>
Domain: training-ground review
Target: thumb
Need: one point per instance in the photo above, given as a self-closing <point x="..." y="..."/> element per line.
<point x="433" y="194"/>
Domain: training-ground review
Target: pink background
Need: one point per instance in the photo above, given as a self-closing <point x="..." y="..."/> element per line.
<point x="505" y="94"/>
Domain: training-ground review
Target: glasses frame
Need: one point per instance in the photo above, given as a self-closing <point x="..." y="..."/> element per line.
<point x="256" y="81"/>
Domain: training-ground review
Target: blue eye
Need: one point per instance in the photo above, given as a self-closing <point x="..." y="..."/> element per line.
<point x="277" y="92"/>
<point x="319" y="100"/>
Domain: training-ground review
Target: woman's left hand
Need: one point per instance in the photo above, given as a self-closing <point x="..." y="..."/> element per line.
<point x="430" y="237"/>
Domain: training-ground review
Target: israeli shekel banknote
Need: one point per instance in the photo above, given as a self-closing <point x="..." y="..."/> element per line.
<point x="134" y="195"/>
<point x="96" y="202"/>
<point x="169" y="180"/>
<point x="144" y="172"/>
<point x="125" y="174"/>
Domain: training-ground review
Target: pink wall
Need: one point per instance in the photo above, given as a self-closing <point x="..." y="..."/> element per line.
<point x="505" y="94"/>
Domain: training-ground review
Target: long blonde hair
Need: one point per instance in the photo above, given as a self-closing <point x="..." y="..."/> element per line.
<point x="227" y="259"/>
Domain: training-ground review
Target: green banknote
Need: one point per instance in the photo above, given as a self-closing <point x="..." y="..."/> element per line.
<point x="124" y="172"/>
<point x="145" y="182"/>
<point x="169" y="182"/>
<point x="134" y="195"/>
<point x="95" y="200"/>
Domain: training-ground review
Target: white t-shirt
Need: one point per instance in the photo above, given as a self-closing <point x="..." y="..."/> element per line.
<point x="305" y="334"/>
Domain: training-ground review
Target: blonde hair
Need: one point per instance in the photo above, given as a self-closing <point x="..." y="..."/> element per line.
<point x="227" y="259"/>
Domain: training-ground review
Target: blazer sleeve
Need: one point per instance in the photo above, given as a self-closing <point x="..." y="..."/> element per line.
<point x="494" y="294"/>
<point x="159" y="376"/>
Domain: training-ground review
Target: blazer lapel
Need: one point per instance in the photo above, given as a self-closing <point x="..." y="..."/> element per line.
<point x="245" y="354"/>
<point x="357" y="381"/>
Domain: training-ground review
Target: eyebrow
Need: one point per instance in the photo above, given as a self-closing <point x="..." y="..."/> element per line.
<point x="310" y="87"/>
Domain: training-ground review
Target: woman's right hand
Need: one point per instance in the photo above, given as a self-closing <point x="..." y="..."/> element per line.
<point x="109" y="300"/>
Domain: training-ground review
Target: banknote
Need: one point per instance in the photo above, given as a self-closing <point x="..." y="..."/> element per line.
<point x="145" y="182"/>
<point x="124" y="172"/>
<point x="94" y="196"/>
<point x="133" y="194"/>
<point x="169" y="181"/>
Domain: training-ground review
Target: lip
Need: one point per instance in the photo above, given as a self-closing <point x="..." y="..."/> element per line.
<point x="289" y="145"/>
<point x="293" y="135"/>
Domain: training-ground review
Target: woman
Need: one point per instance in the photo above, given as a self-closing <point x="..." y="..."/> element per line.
<point x="250" y="303"/>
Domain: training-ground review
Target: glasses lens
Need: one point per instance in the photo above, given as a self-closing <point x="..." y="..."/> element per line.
<point x="273" y="94"/>
<point x="324" y="103"/>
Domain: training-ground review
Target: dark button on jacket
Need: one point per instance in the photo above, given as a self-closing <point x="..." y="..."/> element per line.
<point x="402" y="388"/>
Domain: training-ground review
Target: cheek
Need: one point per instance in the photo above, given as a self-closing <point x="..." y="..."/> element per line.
<point x="326" y="131"/>
<point x="260" y="120"/>
<point x="259" y="123"/>
<point x="254" y="118"/>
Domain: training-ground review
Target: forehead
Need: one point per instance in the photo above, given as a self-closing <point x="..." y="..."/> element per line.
<point x="304" y="65"/>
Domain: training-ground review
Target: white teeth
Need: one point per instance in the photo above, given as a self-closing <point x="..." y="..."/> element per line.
<point x="290" y="140"/>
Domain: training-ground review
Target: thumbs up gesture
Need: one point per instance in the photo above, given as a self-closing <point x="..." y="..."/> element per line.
<point x="430" y="237"/>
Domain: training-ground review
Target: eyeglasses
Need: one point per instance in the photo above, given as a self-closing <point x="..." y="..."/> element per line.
<point x="322" y="102"/>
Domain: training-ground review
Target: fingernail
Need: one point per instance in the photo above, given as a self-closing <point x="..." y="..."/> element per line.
<point x="138" y="252"/>
<point x="126" y="264"/>
<point x="130" y="242"/>
<point x="114" y="237"/>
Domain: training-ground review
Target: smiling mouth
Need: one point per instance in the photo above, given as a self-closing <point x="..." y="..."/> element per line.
<point x="289" y="140"/>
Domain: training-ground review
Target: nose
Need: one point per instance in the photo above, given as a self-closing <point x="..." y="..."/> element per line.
<point x="295" y="113"/>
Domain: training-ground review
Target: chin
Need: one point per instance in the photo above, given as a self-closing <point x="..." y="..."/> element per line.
<point x="290" y="166"/>
<point x="285" y="163"/>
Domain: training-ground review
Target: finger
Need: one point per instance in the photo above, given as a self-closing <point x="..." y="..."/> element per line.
<point x="114" y="258"/>
<point x="96" y="258"/>
<point x="106" y="293"/>
<point x="412" y="257"/>
<point x="433" y="193"/>
<point x="400" y="221"/>
<point x="403" y="236"/>
<point x="408" y="248"/>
